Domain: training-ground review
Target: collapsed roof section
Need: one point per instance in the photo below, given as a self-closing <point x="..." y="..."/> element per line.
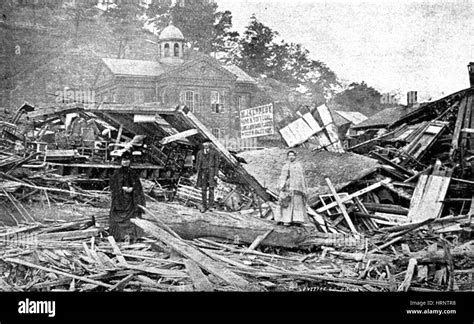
<point x="175" y="123"/>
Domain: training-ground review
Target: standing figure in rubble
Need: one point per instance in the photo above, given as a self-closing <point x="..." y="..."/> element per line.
<point x="127" y="195"/>
<point x="293" y="193"/>
<point x="207" y="165"/>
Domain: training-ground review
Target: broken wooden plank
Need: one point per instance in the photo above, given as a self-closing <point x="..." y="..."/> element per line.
<point x="457" y="128"/>
<point x="331" y="129"/>
<point x="121" y="260"/>
<point x="192" y="253"/>
<point x="355" y="194"/>
<point x="405" y="285"/>
<point x="70" y="235"/>
<point x="32" y="265"/>
<point x="341" y="205"/>
<point x="199" y="279"/>
<point x="119" y="286"/>
<point x="386" y="208"/>
<point x="238" y="168"/>
<point x="179" y="136"/>
<point x="428" y="198"/>
<point x="471" y="209"/>
<point x="259" y="240"/>
<point x="468" y="130"/>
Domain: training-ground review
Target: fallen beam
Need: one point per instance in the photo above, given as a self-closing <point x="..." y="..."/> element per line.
<point x="179" y="136"/>
<point x="192" y="253"/>
<point x="355" y="194"/>
<point x="190" y="224"/>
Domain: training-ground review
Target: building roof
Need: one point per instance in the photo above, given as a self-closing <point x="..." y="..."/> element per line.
<point x="154" y="69"/>
<point x="385" y="117"/>
<point x="354" y="117"/>
<point x="171" y="32"/>
<point x="241" y="75"/>
<point x="135" y="67"/>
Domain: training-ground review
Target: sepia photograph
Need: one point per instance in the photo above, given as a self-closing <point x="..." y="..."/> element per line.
<point x="258" y="155"/>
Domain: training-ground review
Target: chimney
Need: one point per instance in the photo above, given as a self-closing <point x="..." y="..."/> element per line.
<point x="470" y="68"/>
<point x="412" y="98"/>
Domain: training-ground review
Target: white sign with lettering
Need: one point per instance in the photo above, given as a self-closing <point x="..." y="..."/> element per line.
<point x="255" y="122"/>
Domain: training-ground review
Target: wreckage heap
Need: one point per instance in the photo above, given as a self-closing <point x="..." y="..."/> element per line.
<point x="398" y="218"/>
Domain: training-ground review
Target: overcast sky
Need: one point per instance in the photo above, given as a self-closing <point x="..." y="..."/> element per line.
<point x="422" y="45"/>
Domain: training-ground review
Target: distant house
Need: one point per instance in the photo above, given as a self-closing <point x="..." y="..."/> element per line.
<point x="215" y="93"/>
<point x="383" y="118"/>
<point x="354" y="117"/>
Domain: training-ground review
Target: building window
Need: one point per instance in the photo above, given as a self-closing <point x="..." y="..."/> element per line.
<point x="217" y="102"/>
<point x="167" y="50"/>
<point x="190" y="99"/>
<point x="176" y="49"/>
<point x="218" y="133"/>
<point x="240" y="102"/>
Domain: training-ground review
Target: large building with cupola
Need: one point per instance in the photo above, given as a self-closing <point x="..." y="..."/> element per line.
<point x="214" y="92"/>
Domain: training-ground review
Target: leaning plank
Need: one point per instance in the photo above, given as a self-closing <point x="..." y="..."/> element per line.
<point x="238" y="168"/>
<point x="355" y="194"/>
<point x="32" y="265"/>
<point x="458" y="127"/>
<point x="122" y="283"/>
<point x="341" y="206"/>
<point x="331" y="129"/>
<point x="179" y="136"/>
<point x="408" y="276"/>
<point x="70" y="235"/>
<point x="117" y="252"/>
<point x="192" y="253"/>
<point x="471" y="209"/>
<point x="200" y="281"/>
<point x="428" y="202"/>
<point x="259" y="240"/>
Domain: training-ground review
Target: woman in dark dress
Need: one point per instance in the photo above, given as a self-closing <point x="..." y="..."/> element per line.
<point x="127" y="195"/>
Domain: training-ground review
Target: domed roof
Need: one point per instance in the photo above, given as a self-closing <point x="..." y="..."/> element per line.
<point x="171" y="33"/>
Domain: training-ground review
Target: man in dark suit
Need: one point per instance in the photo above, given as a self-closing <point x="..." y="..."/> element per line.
<point x="207" y="165"/>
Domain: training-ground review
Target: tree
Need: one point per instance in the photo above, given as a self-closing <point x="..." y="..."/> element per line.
<point x="261" y="55"/>
<point x="205" y="28"/>
<point x="126" y="20"/>
<point x="360" y="97"/>
<point x="80" y="12"/>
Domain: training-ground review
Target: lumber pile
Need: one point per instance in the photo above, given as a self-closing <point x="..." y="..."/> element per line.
<point x="80" y="256"/>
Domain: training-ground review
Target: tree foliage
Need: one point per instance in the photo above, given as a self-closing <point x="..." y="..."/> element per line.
<point x="203" y="26"/>
<point x="360" y="97"/>
<point x="126" y="22"/>
<point x="261" y="55"/>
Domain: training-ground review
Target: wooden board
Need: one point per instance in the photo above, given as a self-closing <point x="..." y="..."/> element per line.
<point x="428" y="197"/>
<point x="471" y="210"/>
<point x="224" y="153"/>
<point x="341" y="206"/>
<point x="303" y="129"/>
<point x="458" y="126"/>
<point x="331" y="129"/>
<point x="179" y="136"/>
<point x="355" y="194"/>
<point x="192" y="253"/>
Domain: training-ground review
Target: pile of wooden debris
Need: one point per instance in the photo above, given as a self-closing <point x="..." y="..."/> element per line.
<point x="179" y="253"/>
